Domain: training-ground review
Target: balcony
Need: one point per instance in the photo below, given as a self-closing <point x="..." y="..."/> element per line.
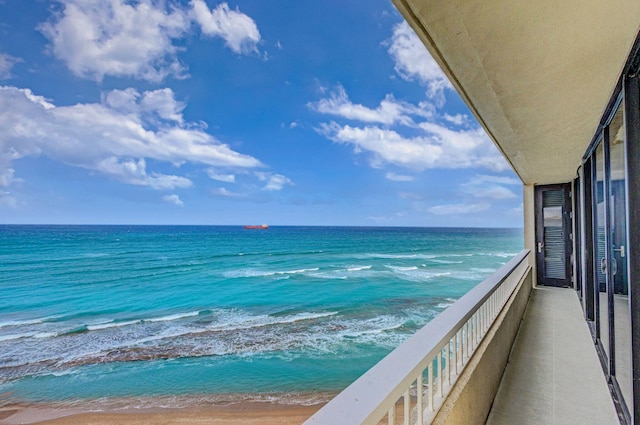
<point x="504" y="353"/>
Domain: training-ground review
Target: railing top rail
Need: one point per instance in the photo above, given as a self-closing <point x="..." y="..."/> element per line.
<point x="362" y="401"/>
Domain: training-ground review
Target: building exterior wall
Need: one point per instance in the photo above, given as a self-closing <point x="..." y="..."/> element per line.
<point x="528" y="207"/>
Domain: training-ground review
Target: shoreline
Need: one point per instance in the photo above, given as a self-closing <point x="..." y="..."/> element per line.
<point x="244" y="412"/>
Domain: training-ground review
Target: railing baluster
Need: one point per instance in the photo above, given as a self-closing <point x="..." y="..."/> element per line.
<point x="430" y="386"/>
<point x="468" y="334"/>
<point x="485" y="317"/>
<point x="448" y="348"/>
<point x="455" y="350"/>
<point x="474" y="331"/>
<point x="447" y="364"/>
<point x="407" y="408"/>
<point x="440" y="368"/>
<point x="420" y="402"/>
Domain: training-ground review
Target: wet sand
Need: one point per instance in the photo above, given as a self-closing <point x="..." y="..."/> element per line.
<point x="243" y="413"/>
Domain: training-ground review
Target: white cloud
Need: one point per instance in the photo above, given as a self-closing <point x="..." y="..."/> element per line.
<point x="458" y="209"/>
<point x="390" y="111"/>
<point x="6" y="65"/>
<point x="227" y="178"/>
<point x="113" y="137"/>
<point x="494" y="192"/>
<point x="238" y="30"/>
<point x="482" y="178"/>
<point x="399" y="177"/>
<point x="413" y="61"/>
<point x="117" y="37"/>
<point x="154" y="106"/>
<point x="437" y="147"/>
<point x="458" y="119"/>
<point x="274" y="181"/>
<point x="224" y="192"/>
<point x="123" y="38"/>
<point x="173" y="199"/>
<point x="431" y="145"/>
<point x="135" y="172"/>
<point x="484" y="186"/>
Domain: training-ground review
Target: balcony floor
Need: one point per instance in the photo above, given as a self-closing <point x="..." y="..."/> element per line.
<point x="553" y="375"/>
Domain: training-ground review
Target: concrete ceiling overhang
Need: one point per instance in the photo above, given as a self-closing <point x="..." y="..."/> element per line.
<point x="538" y="75"/>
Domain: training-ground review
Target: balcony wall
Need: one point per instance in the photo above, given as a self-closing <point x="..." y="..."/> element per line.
<point x="470" y="399"/>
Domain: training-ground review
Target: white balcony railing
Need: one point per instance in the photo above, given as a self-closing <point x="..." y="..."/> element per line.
<point x="412" y="382"/>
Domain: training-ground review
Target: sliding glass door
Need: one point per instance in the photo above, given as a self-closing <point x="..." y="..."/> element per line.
<point x="610" y="248"/>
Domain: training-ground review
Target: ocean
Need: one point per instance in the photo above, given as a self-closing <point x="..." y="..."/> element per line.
<point x="139" y="316"/>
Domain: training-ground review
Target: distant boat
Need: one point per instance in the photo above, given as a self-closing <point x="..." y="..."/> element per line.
<point x="257" y="227"/>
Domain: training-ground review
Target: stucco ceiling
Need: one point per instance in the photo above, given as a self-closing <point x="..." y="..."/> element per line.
<point x="537" y="74"/>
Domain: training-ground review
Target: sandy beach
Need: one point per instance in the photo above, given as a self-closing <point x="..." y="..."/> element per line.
<point x="242" y="413"/>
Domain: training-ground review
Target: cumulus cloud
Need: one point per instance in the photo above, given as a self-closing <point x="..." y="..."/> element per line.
<point x="399" y="177"/>
<point x="135" y="172"/>
<point x="390" y="111"/>
<point x="117" y="37"/>
<point x="115" y="137"/>
<point x="238" y="30"/>
<point x="173" y="199"/>
<point x="437" y="147"/>
<point x="6" y="65"/>
<point x="458" y="119"/>
<point x="458" y="209"/>
<point x="413" y="61"/>
<point x="481" y="178"/>
<point x="154" y="106"/>
<point x="484" y="186"/>
<point x="494" y="192"/>
<point x="274" y="181"/>
<point x="123" y="38"/>
<point x="221" y="191"/>
<point x="215" y="175"/>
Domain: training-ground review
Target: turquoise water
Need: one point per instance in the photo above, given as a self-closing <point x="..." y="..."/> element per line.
<point x="123" y="312"/>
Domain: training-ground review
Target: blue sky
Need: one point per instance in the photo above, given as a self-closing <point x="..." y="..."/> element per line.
<point x="240" y="112"/>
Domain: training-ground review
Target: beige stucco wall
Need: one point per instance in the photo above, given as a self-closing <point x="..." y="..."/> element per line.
<point x="472" y="396"/>
<point x="529" y="212"/>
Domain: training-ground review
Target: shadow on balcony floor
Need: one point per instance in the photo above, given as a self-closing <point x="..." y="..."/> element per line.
<point x="553" y="375"/>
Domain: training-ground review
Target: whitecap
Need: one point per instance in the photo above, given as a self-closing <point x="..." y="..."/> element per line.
<point x="173" y="317"/>
<point x="244" y="273"/>
<point x="416" y="274"/>
<point x="112" y="325"/>
<point x="483" y="270"/>
<point x="315" y="269"/>
<point x="402" y="268"/>
<point x="262" y="321"/>
<point x="329" y="275"/>
<point x="447" y="261"/>
<point x="16" y="336"/>
<point x="27" y="321"/>
<point x="40" y="335"/>
<point x="358" y="268"/>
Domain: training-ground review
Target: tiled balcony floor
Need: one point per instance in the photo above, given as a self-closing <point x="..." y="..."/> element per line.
<point x="553" y="376"/>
